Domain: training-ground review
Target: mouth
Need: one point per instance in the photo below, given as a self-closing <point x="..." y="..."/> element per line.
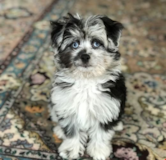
<point x="85" y="65"/>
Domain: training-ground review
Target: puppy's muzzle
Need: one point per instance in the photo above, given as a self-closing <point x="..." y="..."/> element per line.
<point x="85" y="58"/>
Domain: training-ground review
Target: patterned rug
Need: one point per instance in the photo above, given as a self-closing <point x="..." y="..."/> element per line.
<point x="26" y="68"/>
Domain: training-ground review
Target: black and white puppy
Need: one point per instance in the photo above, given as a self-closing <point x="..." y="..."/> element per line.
<point x="89" y="93"/>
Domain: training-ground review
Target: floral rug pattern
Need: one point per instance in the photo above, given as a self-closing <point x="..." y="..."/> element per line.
<point x="26" y="70"/>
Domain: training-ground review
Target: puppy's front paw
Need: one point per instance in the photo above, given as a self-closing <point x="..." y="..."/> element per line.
<point x="71" y="149"/>
<point x="63" y="155"/>
<point x="99" y="152"/>
<point x="71" y="153"/>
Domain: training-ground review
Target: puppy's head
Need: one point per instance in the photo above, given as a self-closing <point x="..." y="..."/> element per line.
<point x="86" y="47"/>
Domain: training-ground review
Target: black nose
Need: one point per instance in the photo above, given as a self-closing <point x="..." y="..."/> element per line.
<point x="85" y="58"/>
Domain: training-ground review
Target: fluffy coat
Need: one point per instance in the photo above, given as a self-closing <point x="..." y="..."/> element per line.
<point x="88" y="95"/>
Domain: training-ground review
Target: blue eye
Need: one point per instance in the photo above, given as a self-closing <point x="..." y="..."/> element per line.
<point x="96" y="44"/>
<point x="75" y="45"/>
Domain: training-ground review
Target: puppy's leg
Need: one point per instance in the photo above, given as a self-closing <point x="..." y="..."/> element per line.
<point x="73" y="145"/>
<point x="59" y="132"/>
<point x="99" y="146"/>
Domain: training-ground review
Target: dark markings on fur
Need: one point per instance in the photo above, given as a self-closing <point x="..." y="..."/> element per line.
<point x="117" y="91"/>
<point x="74" y="24"/>
<point x="50" y="103"/>
<point x="64" y="85"/>
<point x="65" y="59"/>
<point x="110" y="50"/>
<point x="108" y="84"/>
<point x="49" y="118"/>
<point x="84" y="34"/>
<point x="114" y="74"/>
<point x="116" y="54"/>
<point x="58" y="117"/>
<point x="56" y="31"/>
<point x="84" y="141"/>
<point x="70" y="23"/>
<point x="66" y="35"/>
<point x="113" y="29"/>
<point x="94" y="23"/>
<point x="79" y="54"/>
<point x="69" y="131"/>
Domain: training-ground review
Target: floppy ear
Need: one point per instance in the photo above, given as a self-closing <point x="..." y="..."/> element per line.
<point x="58" y="28"/>
<point x="56" y="32"/>
<point x="113" y="29"/>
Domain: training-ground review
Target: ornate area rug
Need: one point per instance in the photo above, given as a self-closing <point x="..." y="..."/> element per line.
<point x="26" y="69"/>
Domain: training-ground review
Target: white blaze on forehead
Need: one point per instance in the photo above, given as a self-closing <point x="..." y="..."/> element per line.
<point x="86" y="44"/>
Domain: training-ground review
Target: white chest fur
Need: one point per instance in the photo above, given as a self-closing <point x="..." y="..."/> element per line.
<point x="84" y="103"/>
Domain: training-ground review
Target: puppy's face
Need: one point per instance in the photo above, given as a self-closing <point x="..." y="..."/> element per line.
<point x="87" y="47"/>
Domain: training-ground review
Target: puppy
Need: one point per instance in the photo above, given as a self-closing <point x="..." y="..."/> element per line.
<point x="88" y="95"/>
